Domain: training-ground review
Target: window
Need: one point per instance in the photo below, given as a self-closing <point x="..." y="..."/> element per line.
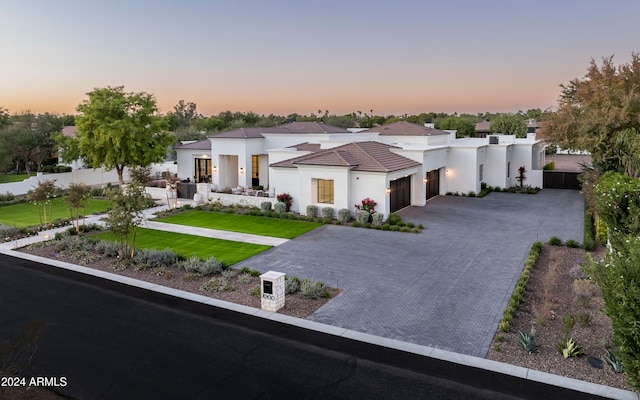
<point x="508" y="169"/>
<point x="325" y="191"/>
<point x="202" y="170"/>
<point x="481" y="172"/>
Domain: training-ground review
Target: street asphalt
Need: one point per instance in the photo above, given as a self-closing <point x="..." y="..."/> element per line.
<point x="107" y="345"/>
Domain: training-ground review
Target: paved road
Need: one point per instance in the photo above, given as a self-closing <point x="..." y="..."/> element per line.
<point x="111" y="346"/>
<point x="446" y="287"/>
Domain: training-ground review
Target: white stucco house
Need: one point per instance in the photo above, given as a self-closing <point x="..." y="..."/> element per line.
<point x="397" y="165"/>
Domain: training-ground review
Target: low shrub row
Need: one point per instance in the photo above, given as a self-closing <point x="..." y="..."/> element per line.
<point x="521" y="287"/>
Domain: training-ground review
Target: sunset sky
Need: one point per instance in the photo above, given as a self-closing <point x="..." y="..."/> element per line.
<point x="281" y="57"/>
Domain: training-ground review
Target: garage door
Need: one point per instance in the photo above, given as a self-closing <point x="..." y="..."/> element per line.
<point x="400" y="195"/>
<point x="433" y="183"/>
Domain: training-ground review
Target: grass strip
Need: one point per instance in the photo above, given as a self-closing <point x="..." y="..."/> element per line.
<point x="264" y="226"/>
<point x="227" y="251"/>
<point x="26" y="214"/>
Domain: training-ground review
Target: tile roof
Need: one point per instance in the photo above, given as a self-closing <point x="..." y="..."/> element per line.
<point x="361" y="156"/>
<point x="199" y="145"/>
<point x="70" y="131"/>
<point x="404" y="128"/>
<point x="289" y="128"/>
<point x="483" y="126"/>
<point x="306" y="146"/>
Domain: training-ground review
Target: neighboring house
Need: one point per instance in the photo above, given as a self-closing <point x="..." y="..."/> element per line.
<point x="396" y="165"/>
<point x="483" y="129"/>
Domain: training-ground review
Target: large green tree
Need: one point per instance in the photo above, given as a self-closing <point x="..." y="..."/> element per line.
<point x="29" y="139"/>
<point x="600" y="113"/>
<point x="117" y="129"/>
<point x="510" y="124"/>
<point x="464" y="126"/>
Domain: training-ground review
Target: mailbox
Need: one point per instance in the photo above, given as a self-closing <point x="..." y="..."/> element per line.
<point x="272" y="288"/>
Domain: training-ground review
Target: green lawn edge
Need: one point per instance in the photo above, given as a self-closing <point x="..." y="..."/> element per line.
<point x="227" y="251"/>
<point x="256" y="225"/>
<point x="26" y="214"/>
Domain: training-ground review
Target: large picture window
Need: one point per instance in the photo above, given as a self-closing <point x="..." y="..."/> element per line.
<point x="481" y="172"/>
<point x="325" y="191"/>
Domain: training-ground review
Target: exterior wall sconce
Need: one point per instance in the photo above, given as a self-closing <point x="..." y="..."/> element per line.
<point x="388" y="190"/>
<point x="425" y="180"/>
<point x="447" y="172"/>
<point x="215" y="169"/>
<point x="242" y="170"/>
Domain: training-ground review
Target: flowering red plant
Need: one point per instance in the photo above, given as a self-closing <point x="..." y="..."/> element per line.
<point x="367" y="205"/>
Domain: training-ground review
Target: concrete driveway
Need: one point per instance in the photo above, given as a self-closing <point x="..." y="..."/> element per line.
<point x="445" y="287"/>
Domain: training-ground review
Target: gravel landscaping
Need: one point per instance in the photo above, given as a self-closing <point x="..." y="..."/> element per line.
<point x="550" y="297"/>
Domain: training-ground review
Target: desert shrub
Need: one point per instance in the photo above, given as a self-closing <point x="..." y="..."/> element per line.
<point x="312" y="289"/>
<point x="280" y="207"/>
<point x="471" y="194"/>
<point x="569" y="348"/>
<point x="107" y="248"/>
<point x="583" y="318"/>
<point x="255" y="291"/>
<point x="7" y="231"/>
<point x="192" y="264"/>
<point x="584" y="290"/>
<point x="572" y="243"/>
<point x="312" y="211"/>
<point x="210" y="266"/>
<point x="245" y="278"/>
<point x="576" y="271"/>
<point x="216" y="284"/>
<point x="356" y="224"/>
<point x="191" y="276"/>
<point x="362" y="217"/>
<point x="327" y="213"/>
<point x="394" y="219"/>
<point x="229" y="273"/>
<point x="73" y="243"/>
<point x="159" y="258"/>
<point x="377" y="218"/>
<point x="96" y="192"/>
<point x="555" y="241"/>
<point x="291" y="284"/>
<point x="8" y="196"/>
<point x="527" y="341"/>
<point x="344" y="215"/>
<point x="266" y="206"/>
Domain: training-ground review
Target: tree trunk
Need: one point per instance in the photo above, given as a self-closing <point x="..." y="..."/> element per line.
<point x="120" y="171"/>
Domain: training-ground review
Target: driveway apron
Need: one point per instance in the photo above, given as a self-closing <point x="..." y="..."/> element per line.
<point x="446" y="287"/>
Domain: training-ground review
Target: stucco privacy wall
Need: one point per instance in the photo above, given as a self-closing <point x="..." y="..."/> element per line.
<point x="497" y="160"/>
<point x="363" y="185"/>
<point x="91" y="177"/>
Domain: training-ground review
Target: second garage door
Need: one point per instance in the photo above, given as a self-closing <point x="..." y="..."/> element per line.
<point x="400" y="196"/>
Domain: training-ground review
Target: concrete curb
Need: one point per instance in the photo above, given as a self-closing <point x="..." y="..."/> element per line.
<point x="459" y="368"/>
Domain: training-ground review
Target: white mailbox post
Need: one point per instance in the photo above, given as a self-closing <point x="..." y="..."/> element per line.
<point x="272" y="290"/>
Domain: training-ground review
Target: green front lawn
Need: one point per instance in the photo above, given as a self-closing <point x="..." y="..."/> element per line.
<point x="264" y="226"/>
<point x="7" y="178"/>
<point x="26" y="214"/>
<point x="187" y="245"/>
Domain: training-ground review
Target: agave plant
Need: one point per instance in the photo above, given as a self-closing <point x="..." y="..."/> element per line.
<point x="528" y="341"/>
<point x="613" y="361"/>
<point x="569" y="348"/>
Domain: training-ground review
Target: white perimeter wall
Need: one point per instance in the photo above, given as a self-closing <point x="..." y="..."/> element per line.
<point x="372" y="185"/>
<point x="523" y="155"/>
